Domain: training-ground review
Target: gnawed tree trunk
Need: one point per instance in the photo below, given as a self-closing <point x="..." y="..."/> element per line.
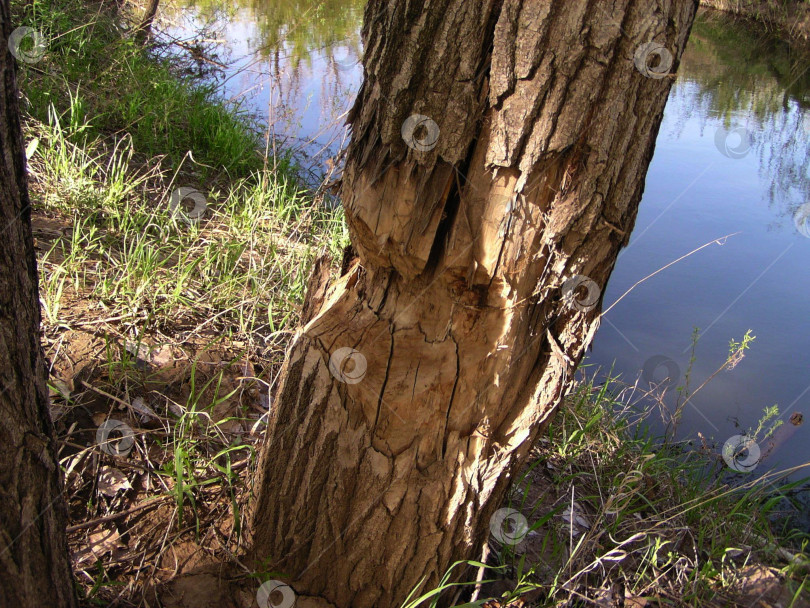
<point x="34" y="567"/>
<point x="418" y="386"/>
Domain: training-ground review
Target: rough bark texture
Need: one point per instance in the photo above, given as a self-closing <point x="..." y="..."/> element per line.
<point x="456" y="302"/>
<point x="34" y="567"/>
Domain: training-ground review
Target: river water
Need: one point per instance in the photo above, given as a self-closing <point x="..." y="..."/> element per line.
<point x="731" y="159"/>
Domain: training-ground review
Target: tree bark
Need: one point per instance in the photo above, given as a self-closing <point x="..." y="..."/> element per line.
<point x="465" y="313"/>
<point x="144" y="29"/>
<point x="34" y="566"/>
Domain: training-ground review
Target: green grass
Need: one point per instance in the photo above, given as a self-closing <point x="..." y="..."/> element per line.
<point x="245" y="262"/>
<point x="113" y="132"/>
<point x="113" y="86"/>
<point x="664" y="521"/>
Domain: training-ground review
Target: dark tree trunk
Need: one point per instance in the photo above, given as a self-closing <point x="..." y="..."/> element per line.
<point x="144" y="29"/>
<point x="428" y="369"/>
<point x="34" y="566"/>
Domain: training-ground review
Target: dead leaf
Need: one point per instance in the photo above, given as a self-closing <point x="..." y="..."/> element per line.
<point x="162" y="355"/>
<point x="175" y="409"/>
<point x="759" y="585"/>
<point x="634" y="601"/>
<point x="139" y="350"/>
<point x="99" y="543"/>
<point x="111" y="481"/>
<point x="580" y="522"/>
<point x="143" y="353"/>
<point x="99" y="418"/>
<point x="146" y="412"/>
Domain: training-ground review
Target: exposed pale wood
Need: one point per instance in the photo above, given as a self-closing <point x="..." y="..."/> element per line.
<point x="456" y="305"/>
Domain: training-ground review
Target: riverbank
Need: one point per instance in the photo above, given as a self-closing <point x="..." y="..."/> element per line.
<point x="172" y="318"/>
<point x="174" y="248"/>
<point x="790" y="20"/>
<point x="605" y="514"/>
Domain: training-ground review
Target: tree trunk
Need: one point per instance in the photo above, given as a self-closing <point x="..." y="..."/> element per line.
<point x="34" y="566"/>
<point x="484" y="239"/>
<point x="144" y="29"/>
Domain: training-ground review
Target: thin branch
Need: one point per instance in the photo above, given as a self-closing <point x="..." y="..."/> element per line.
<point x="718" y="241"/>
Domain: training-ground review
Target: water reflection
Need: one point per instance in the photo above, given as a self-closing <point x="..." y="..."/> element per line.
<point x="732" y="158"/>
<point x="298" y="26"/>
<point x="735" y="74"/>
<point x="295" y="63"/>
